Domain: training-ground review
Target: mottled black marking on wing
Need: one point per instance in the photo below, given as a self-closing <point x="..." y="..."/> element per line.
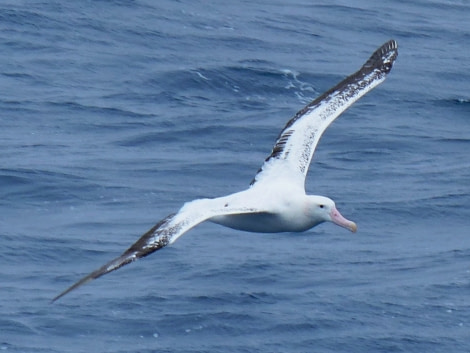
<point x="380" y="61"/>
<point x="154" y="239"/>
<point x="280" y="144"/>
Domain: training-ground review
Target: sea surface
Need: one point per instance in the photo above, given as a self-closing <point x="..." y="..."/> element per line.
<point x="114" y="113"/>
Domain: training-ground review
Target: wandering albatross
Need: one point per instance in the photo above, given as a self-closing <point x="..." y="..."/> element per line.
<point x="275" y="200"/>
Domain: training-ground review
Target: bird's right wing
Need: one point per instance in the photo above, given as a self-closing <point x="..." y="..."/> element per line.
<point x="165" y="232"/>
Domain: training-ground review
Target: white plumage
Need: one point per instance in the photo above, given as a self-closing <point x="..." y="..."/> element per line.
<point x="276" y="199"/>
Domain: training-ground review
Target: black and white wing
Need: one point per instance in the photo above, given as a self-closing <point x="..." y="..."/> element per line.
<point x="165" y="232"/>
<point x="296" y="143"/>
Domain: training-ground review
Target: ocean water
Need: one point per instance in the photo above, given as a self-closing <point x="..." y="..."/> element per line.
<point x="114" y="113"/>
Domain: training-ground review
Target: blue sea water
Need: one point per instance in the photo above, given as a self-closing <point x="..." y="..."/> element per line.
<point x="114" y="113"/>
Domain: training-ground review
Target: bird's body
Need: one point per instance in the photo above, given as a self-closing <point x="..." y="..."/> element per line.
<point x="275" y="209"/>
<point x="275" y="200"/>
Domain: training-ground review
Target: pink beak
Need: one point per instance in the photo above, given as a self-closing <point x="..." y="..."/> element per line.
<point x="338" y="219"/>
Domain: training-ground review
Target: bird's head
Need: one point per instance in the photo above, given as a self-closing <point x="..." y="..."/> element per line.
<point x="324" y="210"/>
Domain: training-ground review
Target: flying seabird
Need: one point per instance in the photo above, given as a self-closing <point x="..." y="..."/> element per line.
<point x="275" y="200"/>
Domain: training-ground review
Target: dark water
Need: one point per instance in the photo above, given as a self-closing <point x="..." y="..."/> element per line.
<point x="114" y="113"/>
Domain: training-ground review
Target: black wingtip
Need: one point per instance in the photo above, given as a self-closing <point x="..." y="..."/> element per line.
<point x="118" y="262"/>
<point x="384" y="57"/>
<point x="84" y="280"/>
<point x="148" y="243"/>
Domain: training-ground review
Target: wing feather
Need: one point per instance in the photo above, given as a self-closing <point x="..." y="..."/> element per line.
<point x="296" y="143"/>
<point x="164" y="233"/>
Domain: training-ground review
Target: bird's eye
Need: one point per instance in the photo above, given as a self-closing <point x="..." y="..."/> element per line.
<point x="322" y="206"/>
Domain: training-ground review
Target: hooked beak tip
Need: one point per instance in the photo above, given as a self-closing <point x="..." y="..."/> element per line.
<point x="338" y="219"/>
<point x="353" y="227"/>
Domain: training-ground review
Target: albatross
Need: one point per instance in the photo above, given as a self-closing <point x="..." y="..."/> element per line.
<point x="275" y="200"/>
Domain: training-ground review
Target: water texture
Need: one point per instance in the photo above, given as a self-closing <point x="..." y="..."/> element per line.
<point x="114" y="113"/>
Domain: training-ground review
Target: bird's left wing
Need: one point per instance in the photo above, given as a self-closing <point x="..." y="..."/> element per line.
<point x="165" y="232"/>
<point x="296" y="143"/>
